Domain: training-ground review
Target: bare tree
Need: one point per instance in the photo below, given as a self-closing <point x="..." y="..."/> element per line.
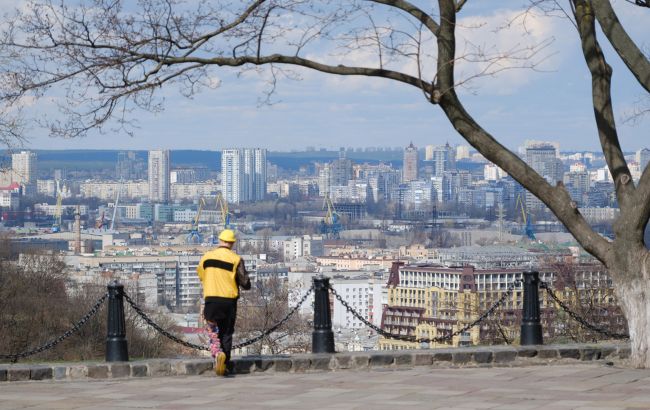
<point x="112" y="59"/>
<point x="588" y="293"/>
<point x="38" y="304"/>
<point x="265" y="305"/>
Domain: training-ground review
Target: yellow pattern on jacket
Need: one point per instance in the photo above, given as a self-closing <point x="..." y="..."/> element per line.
<point x="217" y="270"/>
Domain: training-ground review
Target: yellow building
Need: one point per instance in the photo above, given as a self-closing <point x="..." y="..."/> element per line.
<point x="428" y="302"/>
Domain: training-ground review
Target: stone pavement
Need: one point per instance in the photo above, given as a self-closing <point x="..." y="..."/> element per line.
<point x="590" y="386"/>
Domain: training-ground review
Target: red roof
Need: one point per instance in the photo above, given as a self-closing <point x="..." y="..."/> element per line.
<point x="11" y="187"/>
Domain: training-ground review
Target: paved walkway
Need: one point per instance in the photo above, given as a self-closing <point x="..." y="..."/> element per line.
<point x="584" y="386"/>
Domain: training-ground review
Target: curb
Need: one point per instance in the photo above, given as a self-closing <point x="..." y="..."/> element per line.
<point x="301" y="363"/>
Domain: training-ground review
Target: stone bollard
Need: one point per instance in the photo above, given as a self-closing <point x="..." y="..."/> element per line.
<point x="322" y="336"/>
<point x="531" y="326"/>
<point x="116" y="345"/>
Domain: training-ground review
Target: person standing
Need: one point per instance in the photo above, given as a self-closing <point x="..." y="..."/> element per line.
<point x="222" y="273"/>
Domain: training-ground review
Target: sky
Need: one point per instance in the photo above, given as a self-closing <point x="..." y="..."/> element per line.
<point x="551" y="103"/>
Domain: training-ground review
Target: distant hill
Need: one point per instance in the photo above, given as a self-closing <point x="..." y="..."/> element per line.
<point x="104" y="159"/>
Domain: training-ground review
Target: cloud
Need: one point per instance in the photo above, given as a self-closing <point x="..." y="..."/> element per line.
<point x="505" y="50"/>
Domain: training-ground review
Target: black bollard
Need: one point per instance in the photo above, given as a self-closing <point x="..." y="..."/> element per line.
<point x="531" y="326"/>
<point x="322" y="337"/>
<point x="116" y="346"/>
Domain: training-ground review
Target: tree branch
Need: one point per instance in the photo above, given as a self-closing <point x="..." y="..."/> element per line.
<point x="556" y="198"/>
<point x="414" y="11"/>
<point x="601" y="74"/>
<point x="640" y="210"/>
<point x="632" y="56"/>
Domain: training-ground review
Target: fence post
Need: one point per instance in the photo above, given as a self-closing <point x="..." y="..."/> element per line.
<point x="322" y="337"/>
<point x="531" y="326"/>
<point x="116" y="346"/>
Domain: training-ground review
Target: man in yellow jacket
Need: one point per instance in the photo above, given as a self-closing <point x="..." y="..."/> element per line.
<point x="222" y="273"/>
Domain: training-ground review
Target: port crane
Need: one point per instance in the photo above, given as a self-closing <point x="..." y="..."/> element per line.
<point x="222" y="207"/>
<point x="331" y="224"/>
<point x="195" y="236"/>
<point x="117" y="202"/>
<point x="528" y="226"/>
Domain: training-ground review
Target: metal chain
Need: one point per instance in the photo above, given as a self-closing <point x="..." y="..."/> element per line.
<point x="438" y="339"/>
<point x="277" y="325"/>
<point x="158" y="328"/>
<point x="75" y="328"/>
<point x="266" y="332"/>
<point x="578" y="319"/>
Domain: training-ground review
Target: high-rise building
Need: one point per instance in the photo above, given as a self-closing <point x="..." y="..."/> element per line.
<point x="578" y="184"/>
<point x="159" y="176"/>
<point x="341" y="170"/>
<point x="444" y="159"/>
<point x="410" y="170"/>
<point x="428" y="152"/>
<point x="543" y="158"/>
<point x="643" y="158"/>
<point x="243" y="174"/>
<point x="23" y="165"/>
<point x="462" y="152"/>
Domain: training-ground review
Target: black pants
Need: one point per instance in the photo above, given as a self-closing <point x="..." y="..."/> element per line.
<point x="223" y="312"/>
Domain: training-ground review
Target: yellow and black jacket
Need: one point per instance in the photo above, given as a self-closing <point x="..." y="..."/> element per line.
<point x="222" y="272"/>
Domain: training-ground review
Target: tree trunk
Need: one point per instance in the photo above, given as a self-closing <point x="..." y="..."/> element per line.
<point x="634" y="298"/>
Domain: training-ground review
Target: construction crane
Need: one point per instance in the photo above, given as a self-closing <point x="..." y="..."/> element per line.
<point x="528" y="226"/>
<point x="117" y="201"/>
<point x="195" y="236"/>
<point x="56" y="227"/>
<point x="331" y="224"/>
<point x="222" y="205"/>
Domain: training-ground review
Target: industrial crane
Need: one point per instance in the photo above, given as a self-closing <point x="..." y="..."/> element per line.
<point x="195" y="236"/>
<point x="222" y="206"/>
<point x="528" y="226"/>
<point x="117" y="201"/>
<point x="331" y="224"/>
<point x="56" y="227"/>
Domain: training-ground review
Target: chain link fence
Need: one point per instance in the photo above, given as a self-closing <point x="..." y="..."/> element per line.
<point x="50" y="344"/>
<point x="582" y="321"/>
<point x="439" y="339"/>
<point x="245" y="343"/>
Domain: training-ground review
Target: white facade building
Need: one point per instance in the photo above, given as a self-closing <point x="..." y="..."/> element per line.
<point x="299" y="246"/>
<point x="195" y="190"/>
<point x="50" y="210"/>
<point x="364" y="295"/>
<point x="46" y="187"/>
<point x="107" y="190"/>
<point x="159" y="185"/>
<point x="23" y="165"/>
<point x="462" y="152"/>
<point x="9" y="200"/>
<point x="492" y="172"/>
<point x="643" y="158"/>
<point x="243" y="174"/>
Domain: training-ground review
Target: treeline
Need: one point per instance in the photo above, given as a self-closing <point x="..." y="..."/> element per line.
<point x="39" y="302"/>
